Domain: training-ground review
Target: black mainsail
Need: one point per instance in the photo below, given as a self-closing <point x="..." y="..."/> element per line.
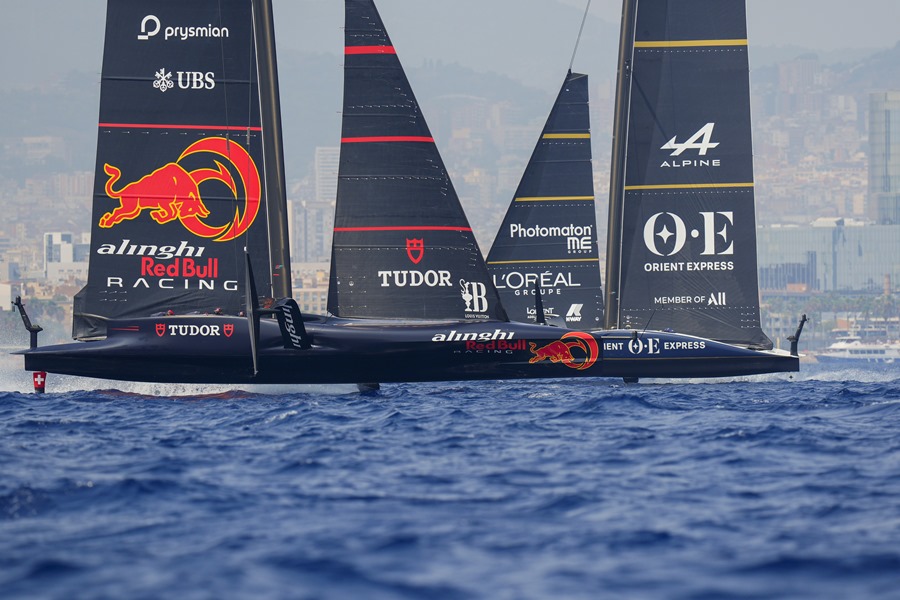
<point x="179" y="189"/>
<point x="682" y="232"/>
<point x="402" y="246"/>
<point x="548" y="238"/>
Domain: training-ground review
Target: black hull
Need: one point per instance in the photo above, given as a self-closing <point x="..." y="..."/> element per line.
<point x="198" y="350"/>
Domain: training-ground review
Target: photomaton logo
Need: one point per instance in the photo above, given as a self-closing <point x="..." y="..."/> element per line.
<point x="171" y="192"/>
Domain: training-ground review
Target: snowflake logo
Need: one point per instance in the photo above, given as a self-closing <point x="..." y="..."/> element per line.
<point x="163" y="80"/>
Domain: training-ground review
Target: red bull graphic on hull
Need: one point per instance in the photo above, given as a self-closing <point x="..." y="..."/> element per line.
<point x="560" y="351"/>
<point x="171" y="192"/>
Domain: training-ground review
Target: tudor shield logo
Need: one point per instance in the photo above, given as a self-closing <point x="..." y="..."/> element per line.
<point x="228" y="329"/>
<point x="160" y="329"/>
<point x="415" y="250"/>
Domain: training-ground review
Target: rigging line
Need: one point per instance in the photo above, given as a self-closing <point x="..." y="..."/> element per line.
<point x="578" y="39"/>
<point x="647" y="324"/>
<point x="235" y="246"/>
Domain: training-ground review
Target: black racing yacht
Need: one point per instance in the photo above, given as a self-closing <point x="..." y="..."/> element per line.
<point x="190" y="271"/>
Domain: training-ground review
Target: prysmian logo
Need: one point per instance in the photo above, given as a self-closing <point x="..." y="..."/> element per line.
<point x="151" y="26"/>
<point x="701" y="141"/>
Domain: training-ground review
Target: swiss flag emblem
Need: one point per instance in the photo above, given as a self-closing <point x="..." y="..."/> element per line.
<point x="415" y="250"/>
<point x="228" y="329"/>
<point x="160" y="329"/>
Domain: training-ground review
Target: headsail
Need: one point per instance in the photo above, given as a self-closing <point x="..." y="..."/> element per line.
<point x="549" y="234"/>
<point x="179" y="188"/>
<point x="682" y="232"/>
<point x="402" y="246"/>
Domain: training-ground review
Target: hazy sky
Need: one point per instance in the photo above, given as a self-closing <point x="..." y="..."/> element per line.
<point x="42" y="38"/>
<point x="529" y="41"/>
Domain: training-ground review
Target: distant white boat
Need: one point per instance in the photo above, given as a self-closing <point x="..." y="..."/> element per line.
<point x="852" y="350"/>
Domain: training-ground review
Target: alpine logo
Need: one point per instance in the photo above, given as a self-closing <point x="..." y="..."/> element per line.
<point x="187" y="80"/>
<point x="701" y="141"/>
<point x="704" y="135"/>
<point x="151" y="26"/>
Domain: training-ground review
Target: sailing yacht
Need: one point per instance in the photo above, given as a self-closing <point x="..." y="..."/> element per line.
<point x="681" y="252"/>
<point x="189" y="264"/>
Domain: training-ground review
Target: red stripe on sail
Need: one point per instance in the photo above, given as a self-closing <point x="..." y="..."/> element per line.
<point x="169" y="126"/>
<point x="369" y="50"/>
<point x="410" y="228"/>
<point x="387" y="138"/>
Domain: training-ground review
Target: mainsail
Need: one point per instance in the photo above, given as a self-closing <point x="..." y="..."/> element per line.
<point x="548" y="239"/>
<point x="682" y="231"/>
<point x="179" y="185"/>
<point x="402" y="246"/>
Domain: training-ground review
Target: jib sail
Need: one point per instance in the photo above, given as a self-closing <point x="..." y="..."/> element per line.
<point x="548" y="238"/>
<point x="682" y="231"/>
<point x="402" y="247"/>
<point x="179" y="186"/>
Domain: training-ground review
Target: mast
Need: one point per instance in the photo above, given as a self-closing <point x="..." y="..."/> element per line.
<point x="617" y="167"/>
<point x="273" y="148"/>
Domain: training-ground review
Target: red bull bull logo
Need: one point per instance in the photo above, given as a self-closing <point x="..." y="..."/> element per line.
<point x="560" y="351"/>
<point x="171" y="192"/>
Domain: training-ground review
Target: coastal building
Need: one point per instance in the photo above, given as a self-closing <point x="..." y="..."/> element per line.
<point x="829" y="255"/>
<point x="314" y="218"/>
<point x="65" y="257"/>
<point x="884" y="157"/>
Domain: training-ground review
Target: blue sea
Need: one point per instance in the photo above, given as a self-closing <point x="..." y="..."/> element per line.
<point x="762" y="487"/>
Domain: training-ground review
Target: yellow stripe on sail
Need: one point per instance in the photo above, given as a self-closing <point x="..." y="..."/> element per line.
<point x="563" y="136"/>
<point x="552" y="198"/>
<point x="689" y="43"/>
<point x="543" y="260"/>
<point x="689" y="186"/>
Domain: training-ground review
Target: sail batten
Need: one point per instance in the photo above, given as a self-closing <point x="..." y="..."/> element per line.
<point x="689" y="186"/>
<point x="688" y="43"/>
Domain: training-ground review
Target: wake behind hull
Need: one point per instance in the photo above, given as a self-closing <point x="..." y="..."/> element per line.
<point x="217" y="350"/>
